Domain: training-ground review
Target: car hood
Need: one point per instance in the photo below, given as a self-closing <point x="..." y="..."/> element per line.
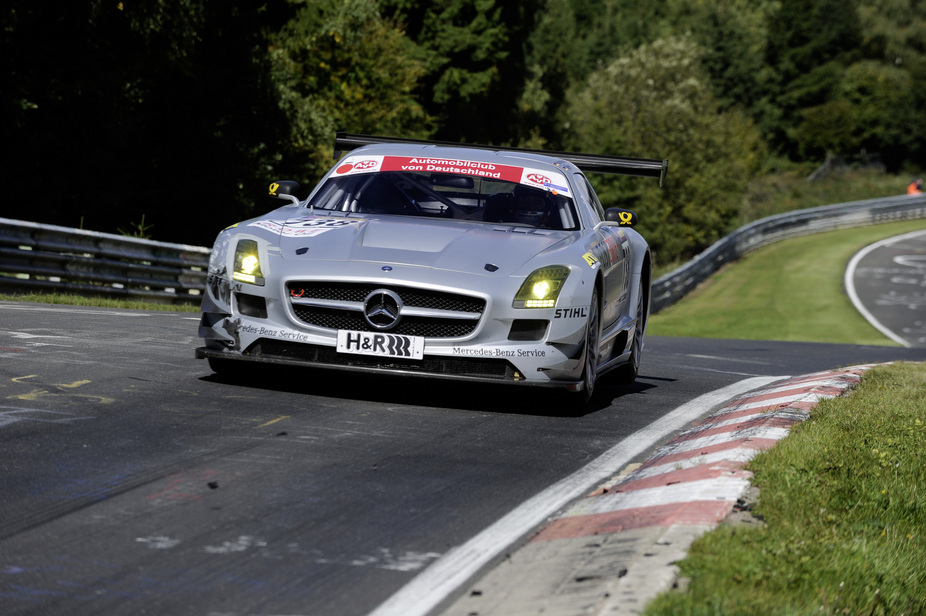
<point x="450" y="246"/>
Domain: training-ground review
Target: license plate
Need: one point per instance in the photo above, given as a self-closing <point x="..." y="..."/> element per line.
<point x="380" y="344"/>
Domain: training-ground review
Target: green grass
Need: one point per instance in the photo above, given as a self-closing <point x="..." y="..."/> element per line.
<point x="787" y="191"/>
<point x="790" y="190"/>
<point x="844" y="502"/>
<point x="791" y="290"/>
<point x="103" y="302"/>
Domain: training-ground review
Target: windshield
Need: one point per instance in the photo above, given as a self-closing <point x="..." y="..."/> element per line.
<point x="448" y="196"/>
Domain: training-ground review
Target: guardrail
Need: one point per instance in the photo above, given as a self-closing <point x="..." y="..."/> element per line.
<point x="48" y="258"/>
<point x="673" y="286"/>
<point x="37" y="257"/>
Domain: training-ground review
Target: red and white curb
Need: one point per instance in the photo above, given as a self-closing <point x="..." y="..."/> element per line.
<point x="686" y="488"/>
<point x="693" y="482"/>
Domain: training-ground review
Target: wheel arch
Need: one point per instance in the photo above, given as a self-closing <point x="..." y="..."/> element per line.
<point x="645" y="286"/>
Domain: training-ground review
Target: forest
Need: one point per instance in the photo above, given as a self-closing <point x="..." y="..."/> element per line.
<point x="168" y="118"/>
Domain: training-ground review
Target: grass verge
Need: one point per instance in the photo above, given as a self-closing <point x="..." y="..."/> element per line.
<point x="790" y="190"/>
<point x="101" y="302"/>
<point x="791" y="290"/>
<point x="843" y="498"/>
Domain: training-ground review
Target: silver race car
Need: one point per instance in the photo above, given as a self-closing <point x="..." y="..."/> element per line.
<point x="443" y="260"/>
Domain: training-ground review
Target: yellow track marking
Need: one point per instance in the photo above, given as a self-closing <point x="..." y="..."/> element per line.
<point x="72" y="385"/>
<point x="273" y="421"/>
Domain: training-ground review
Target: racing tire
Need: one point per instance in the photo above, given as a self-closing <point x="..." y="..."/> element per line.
<point x="592" y="339"/>
<point x="627" y="374"/>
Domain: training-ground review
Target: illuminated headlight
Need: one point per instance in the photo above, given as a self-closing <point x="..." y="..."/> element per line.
<point x="247" y="263"/>
<point x="541" y="288"/>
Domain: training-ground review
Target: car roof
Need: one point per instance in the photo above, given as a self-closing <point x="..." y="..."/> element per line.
<point x="476" y="154"/>
<point x="564" y="161"/>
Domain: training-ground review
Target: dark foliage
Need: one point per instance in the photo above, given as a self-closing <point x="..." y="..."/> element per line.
<point x="178" y="112"/>
<point x="114" y="112"/>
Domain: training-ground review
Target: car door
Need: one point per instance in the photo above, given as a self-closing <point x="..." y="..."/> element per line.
<point x="608" y="248"/>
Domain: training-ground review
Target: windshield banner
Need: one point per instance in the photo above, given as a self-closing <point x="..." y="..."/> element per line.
<point x="537" y="178"/>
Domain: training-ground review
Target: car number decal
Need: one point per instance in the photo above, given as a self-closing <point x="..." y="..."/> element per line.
<point x="380" y="344"/>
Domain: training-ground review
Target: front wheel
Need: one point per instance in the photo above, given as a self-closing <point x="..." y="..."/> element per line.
<point x="592" y="339"/>
<point x="627" y="374"/>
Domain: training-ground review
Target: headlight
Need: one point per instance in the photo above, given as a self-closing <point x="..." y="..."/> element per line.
<point x="247" y="263"/>
<point x="541" y="288"/>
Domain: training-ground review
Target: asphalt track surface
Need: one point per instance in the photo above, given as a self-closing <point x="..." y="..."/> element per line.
<point x="618" y="547"/>
<point x="887" y="283"/>
<point x="133" y="481"/>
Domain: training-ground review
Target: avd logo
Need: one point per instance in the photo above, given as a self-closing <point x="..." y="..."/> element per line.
<point x="538" y="178"/>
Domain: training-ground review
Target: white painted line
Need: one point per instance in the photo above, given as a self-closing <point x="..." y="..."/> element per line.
<point x="719" y="358"/>
<point x="445" y="575"/>
<point x="850" y="284"/>
<point x="713" y="370"/>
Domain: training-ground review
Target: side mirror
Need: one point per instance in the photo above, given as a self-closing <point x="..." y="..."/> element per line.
<point x="626" y="218"/>
<point x="284" y="189"/>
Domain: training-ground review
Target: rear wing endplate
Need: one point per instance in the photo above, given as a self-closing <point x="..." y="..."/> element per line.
<point x="621" y="165"/>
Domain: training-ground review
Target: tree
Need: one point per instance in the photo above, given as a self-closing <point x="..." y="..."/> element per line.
<point x="570" y="40"/>
<point x="474" y="62"/>
<point x="874" y="111"/>
<point x="894" y="35"/>
<point x="182" y="111"/>
<point x="810" y="44"/>
<point x="154" y="108"/>
<point x="733" y="34"/>
<point x="655" y="101"/>
<point x="894" y="32"/>
<point x="343" y="67"/>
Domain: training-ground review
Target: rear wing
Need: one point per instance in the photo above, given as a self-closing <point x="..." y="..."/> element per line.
<point x="622" y="165"/>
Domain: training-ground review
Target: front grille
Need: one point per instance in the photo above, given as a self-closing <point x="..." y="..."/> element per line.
<point x="409" y="326"/>
<point x="335" y="318"/>
<point x="464" y="366"/>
